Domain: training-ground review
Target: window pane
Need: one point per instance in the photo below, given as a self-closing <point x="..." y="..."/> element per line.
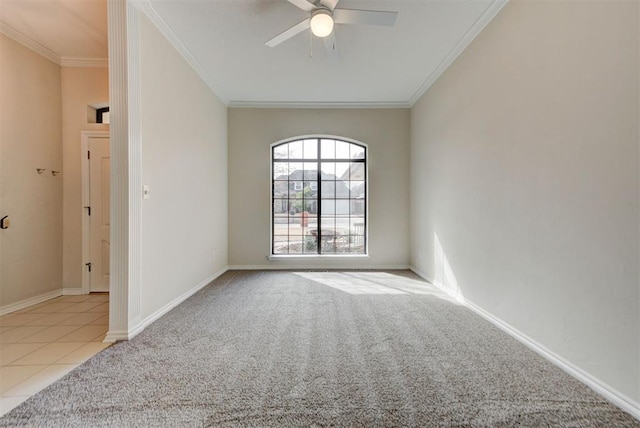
<point x="280" y="244"/>
<point x="295" y="244"/>
<point x="357" y="226"/>
<point x="342" y="189"/>
<point x="295" y="189"/>
<point x="357" y="171"/>
<point x="357" y="189"/>
<point x="295" y="150"/>
<point x="342" y="170"/>
<point x="357" y="207"/>
<point x="280" y="189"/>
<point x="280" y="170"/>
<point x="328" y="149"/>
<point x="328" y="170"/>
<point x="310" y="171"/>
<point x="357" y="152"/>
<point x="311" y="149"/>
<point x="328" y="207"/>
<point x="342" y="225"/>
<point x="310" y="244"/>
<point x="281" y="151"/>
<point x="280" y="206"/>
<point x="342" y="150"/>
<point x="306" y="205"/>
<point x="328" y="189"/>
<point x="328" y="225"/>
<point x="295" y="171"/>
<point x="310" y="225"/>
<point x="342" y="207"/>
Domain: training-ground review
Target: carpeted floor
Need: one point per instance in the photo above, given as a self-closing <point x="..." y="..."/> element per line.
<point x="318" y="349"/>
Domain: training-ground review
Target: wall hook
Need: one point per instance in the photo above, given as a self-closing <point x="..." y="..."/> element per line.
<point x="40" y="170"/>
<point x="54" y="173"/>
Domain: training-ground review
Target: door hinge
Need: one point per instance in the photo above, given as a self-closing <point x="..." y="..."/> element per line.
<point x="88" y="210"/>
<point x="88" y="265"/>
<point x="88" y="154"/>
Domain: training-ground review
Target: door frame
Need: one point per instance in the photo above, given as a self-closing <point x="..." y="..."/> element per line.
<point x="86" y="201"/>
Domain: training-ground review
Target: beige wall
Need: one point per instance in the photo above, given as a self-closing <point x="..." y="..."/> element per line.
<point x="524" y="165"/>
<point x="184" y="152"/>
<point x="30" y="138"/>
<point x="252" y="131"/>
<point x="80" y="87"/>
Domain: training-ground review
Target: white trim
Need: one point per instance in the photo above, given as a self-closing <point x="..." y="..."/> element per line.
<point x="147" y="8"/>
<point x="331" y="266"/>
<point x="318" y="104"/>
<point x="86" y="201"/>
<point x="462" y="44"/>
<point x="625" y="403"/>
<point x="12" y="307"/>
<point x="127" y="335"/>
<point x="84" y="62"/>
<point x="28" y="42"/>
<point x="68" y="291"/>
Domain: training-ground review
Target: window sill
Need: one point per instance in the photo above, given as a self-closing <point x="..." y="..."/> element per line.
<point x="289" y="257"/>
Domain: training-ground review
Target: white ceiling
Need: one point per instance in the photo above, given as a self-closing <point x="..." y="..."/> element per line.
<point x="224" y="41"/>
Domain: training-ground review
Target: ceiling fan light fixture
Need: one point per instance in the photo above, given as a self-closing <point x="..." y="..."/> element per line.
<point x="321" y="23"/>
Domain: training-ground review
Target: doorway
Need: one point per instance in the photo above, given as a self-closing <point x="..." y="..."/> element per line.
<point x="96" y="225"/>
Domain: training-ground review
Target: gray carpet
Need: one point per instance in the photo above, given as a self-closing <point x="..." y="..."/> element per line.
<point x="318" y="349"/>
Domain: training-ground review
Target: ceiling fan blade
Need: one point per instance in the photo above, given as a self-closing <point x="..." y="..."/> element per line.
<point x="303" y="4"/>
<point x="329" y="4"/>
<point x="331" y="44"/>
<point x="364" y="17"/>
<point x="287" y="34"/>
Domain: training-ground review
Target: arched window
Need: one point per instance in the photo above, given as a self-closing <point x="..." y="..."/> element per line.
<point x="319" y="197"/>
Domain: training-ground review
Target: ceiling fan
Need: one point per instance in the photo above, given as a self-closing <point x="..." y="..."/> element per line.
<point x="323" y="14"/>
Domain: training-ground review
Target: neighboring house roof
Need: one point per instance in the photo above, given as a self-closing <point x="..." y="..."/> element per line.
<point x="341" y="189"/>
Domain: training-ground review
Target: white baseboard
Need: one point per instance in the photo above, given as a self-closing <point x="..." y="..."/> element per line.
<point x="330" y="266"/>
<point x="113" y="336"/>
<point x="611" y="394"/>
<point x="12" y="307"/>
<point x="72" y="291"/>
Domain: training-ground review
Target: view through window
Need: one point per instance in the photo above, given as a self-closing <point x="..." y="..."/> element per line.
<point x="319" y="197"/>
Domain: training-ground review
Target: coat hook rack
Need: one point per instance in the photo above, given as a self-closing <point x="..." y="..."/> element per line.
<point x="54" y="173"/>
<point x="40" y="170"/>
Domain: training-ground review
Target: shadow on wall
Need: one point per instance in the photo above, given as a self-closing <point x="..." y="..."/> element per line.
<point x="443" y="275"/>
<point x="375" y="283"/>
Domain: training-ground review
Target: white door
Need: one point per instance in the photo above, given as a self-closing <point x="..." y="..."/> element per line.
<point x="99" y="196"/>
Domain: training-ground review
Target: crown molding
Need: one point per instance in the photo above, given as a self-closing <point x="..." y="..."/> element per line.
<point x="84" y="62"/>
<point x="28" y="42"/>
<point x="462" y="44"/>
<point x="52" y="56"/>
<point x="147" y="8"/>
<point x="317" y="104"/>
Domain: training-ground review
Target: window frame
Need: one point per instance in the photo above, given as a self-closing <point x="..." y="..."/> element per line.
<point x="271" y="181"/>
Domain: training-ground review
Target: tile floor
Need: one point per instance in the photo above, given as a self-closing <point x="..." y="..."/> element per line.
<point x="42" y="343"/>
